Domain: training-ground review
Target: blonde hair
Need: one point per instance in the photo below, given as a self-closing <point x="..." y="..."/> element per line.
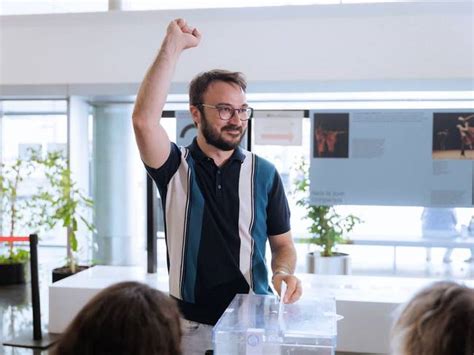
<point x="439" y="320"/>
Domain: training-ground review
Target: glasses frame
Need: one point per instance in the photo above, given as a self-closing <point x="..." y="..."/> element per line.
<point x="238" y="110"/>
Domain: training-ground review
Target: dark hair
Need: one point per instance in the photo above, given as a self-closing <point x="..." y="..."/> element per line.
<point x="125" y="318"/>
<point x="439" y="320"/>
<point x="201" y="82"/>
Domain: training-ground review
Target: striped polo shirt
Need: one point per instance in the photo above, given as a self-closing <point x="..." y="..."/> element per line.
<point x="217" y="220"/>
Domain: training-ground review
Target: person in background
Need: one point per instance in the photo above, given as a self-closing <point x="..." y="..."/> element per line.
<point x="439" y="222"/>
<point x="221" y="203"/>
<point x="439" y="320"/>
<point x="469" y="232"/>
<point x="123" y="319"/>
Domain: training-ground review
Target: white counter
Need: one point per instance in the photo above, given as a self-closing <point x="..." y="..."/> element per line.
<point x="367" y="303"/>
<point x="68" y="296"/>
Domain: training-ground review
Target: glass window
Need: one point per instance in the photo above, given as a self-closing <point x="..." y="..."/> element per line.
<point x="284" y="157"/>
<point x="395" y="221"/>
<point x="40" y="125"/>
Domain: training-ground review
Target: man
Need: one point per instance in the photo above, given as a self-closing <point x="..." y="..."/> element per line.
<point x="221" y="203"/>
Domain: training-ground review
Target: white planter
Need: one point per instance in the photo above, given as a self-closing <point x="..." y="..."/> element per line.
<point x="338" y="264"/>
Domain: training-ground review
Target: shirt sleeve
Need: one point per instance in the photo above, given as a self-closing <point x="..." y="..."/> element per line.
<point x="163" y="174"/>
<point x="278" y="211"/>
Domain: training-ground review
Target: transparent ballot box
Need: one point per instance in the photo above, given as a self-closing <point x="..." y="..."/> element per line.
<point x="259" y="324"/>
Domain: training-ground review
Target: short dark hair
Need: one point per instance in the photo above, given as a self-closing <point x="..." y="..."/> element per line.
<point x="201" y="82"/>
<point x="125" y="318"/>
<point x="439" y="320"/>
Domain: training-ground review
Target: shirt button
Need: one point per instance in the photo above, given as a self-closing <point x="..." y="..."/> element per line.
<point x="219" y="172"/>
<point x="219" y="187"/>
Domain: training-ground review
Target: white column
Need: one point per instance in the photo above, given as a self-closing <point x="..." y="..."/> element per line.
<point x="117" y="5"/>
<point x="119" y="187"/>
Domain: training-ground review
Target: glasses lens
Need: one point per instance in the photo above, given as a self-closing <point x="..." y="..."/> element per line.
<point x="247" y="114"/>
<point x="244" y="113"/>
<point x="225" y="112"/>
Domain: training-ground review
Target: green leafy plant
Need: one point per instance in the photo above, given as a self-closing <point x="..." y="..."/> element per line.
<point x="327" y="227"/>
<point x="12" y="207"/>
<point x="17" y="256"/>
<point x="62" y="202"/>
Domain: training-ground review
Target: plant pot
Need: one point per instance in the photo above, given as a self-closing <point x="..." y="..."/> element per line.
<point x="63" y="272"/>
<point x="13" y="274"/>
<point x="338" y="264"/>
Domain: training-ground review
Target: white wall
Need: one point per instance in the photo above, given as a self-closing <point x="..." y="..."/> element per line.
<point x="308" y="43"/>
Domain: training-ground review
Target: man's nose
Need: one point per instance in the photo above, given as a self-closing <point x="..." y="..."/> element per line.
<point x="235" y="118"/>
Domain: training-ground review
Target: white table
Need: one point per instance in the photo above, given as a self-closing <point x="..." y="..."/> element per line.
<point x="367" y="303"/>
<point x="68" y="296"/>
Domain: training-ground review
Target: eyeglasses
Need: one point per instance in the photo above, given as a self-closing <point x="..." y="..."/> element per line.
<point x="226" y="112"/>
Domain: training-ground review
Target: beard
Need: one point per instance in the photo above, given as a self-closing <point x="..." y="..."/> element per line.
<point x="216" y="139"/>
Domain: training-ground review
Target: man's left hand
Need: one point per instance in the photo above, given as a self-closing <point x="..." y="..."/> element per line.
<point x="293" y="287"/>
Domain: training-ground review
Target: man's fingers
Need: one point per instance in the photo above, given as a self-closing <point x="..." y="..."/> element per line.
<point x="290" y="288"/>
<point x="180" y="26"/>
<point x="294" y="290"/>
<point x="297" y="293"/>
<point x="185" y="28"/>
<point x="196" y="33"/>
<point x="277" y="285"/>
<point x="180" y="22"/>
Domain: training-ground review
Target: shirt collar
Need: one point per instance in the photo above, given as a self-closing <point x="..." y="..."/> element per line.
<point x="197" y="153"/>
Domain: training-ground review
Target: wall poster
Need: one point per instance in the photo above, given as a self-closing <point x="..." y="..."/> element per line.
<point x="392" y="157"/>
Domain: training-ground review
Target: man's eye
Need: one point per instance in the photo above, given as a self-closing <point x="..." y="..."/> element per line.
<point x="226" y="109"/>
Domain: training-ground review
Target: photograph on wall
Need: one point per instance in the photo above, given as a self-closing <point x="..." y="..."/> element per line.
<point x="331" y="135"/>
<point x="453" y="135"/>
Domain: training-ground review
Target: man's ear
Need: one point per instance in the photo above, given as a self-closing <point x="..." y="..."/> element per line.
<point x="195" y="114"/>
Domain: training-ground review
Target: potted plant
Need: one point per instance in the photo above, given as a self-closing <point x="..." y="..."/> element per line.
<point x="14" y="259"/>
<point x="67" y="205"/>
<point x="327" y="229"/>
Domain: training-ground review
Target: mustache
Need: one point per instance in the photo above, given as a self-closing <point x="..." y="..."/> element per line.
<point x="231" y="128"/>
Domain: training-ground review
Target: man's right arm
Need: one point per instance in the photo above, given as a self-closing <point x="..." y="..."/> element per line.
<point x="152" y="140"/>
